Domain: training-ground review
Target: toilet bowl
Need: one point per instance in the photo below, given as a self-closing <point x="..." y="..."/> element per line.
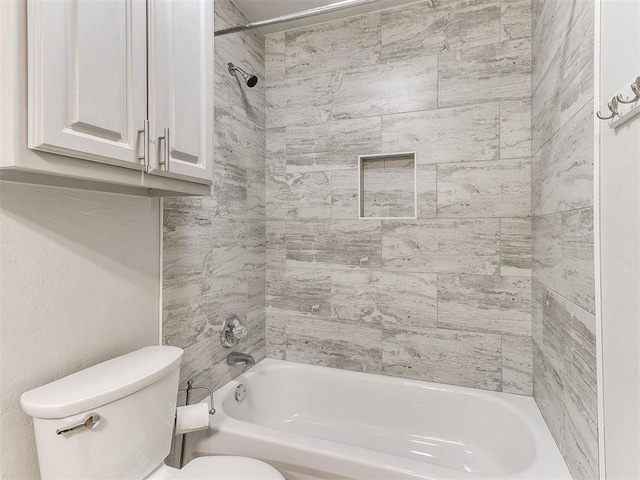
<point x="218" y="468"/>
<point x="116" y="420"/>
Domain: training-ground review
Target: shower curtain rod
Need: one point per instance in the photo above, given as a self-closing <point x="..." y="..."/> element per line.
<point x="332" y="7"/>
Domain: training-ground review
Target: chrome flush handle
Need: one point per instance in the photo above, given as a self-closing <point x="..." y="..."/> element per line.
<point x="90" y="422"/>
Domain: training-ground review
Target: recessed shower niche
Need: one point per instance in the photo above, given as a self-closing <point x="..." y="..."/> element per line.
<point x="387" y="186"/>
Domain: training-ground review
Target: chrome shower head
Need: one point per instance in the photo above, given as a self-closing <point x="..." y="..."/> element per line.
<point x="250" y="79"/>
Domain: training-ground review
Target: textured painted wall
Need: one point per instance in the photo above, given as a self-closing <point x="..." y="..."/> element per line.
<point x="445" y="297"/>
<point x="563" y="251"/>
<point x="78" y="285"/>
<point x="214" y="247"/>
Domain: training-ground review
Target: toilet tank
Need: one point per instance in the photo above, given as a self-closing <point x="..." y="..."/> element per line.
<point x="135" y="397"/>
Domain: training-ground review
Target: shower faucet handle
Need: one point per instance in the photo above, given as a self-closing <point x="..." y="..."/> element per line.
<point x="232" y="331"/>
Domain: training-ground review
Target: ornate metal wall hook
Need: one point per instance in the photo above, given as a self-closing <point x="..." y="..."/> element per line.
<point x="635" y="87"/>
<point x="613" y="107"/>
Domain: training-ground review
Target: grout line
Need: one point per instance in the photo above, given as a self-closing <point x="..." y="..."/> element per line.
<point x="438" y="81"/>
<point x="544" y="215"/>
<point x="502" y="363"/>
<point x="560" y="128"/>
<point x="500" y="130"/>
<point x="437" y="176"/>
<point x="411" y="220"/>
<point x="437" y="300"/>
<point x="535" y="279"/>
<point x="500" y="244"/>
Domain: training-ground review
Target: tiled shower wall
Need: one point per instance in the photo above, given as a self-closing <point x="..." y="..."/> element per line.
<point x="214" y="247"/>
<point x="445" y="297"/>
<point x="563" y="249"/>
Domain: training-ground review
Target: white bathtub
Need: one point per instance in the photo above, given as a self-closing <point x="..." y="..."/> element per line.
<point x="323" y="423"/>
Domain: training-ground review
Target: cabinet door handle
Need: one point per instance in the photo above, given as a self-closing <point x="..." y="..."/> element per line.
<point x="145" y="145"/>
<point x="166" y="154"/>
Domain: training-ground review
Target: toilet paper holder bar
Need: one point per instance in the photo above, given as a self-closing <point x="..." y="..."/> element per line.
<point x="190" y="388"/>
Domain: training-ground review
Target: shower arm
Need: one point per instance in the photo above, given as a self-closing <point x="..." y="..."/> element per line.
<point x="311" y="12"/>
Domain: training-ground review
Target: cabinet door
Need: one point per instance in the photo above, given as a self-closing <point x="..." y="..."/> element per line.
<point x="181" y="88"/>
<point x="87" y="79"/>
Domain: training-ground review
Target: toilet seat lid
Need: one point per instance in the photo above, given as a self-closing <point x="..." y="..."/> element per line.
<point x="227" y="468"/>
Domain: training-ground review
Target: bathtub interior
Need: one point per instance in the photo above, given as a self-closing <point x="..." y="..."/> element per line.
<point x="448" y="426"/>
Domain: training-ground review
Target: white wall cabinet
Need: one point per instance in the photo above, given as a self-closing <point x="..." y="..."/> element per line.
<point x="120" y="94"/>
<point x="181" y="88"/>
<point x="88" y="79"/>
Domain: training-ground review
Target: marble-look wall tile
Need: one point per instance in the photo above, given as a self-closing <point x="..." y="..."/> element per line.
<point x="276" y="335"/>
<point x="578" y="278"/>
<point x="334" y="344"/>
<point x="230" y="93"/>
<point x="299" y="101"/>
<point x="384" y="299"/>
<point x="490" y="72"/>
<point x="535" y="12"/>
<point x="577" y="67"/>
<point x="548" y="391"/>
<point x="485" y="189"/>
<point x="545" y="107"/>
<point x="236" y="246"/>
<point x="186" y="237"/>
<point x="274" y="57"/>
<point x="344" y="194"/>
<point x="482" y="303"/>
<point x="515" y="128"/>
<point x="302" y="292"/>
<point x="442" y="246"/>
<point x="334" y="244"/>
<point x="233" y="145"/>
<point x="562" y="171"/>
<point x="517" y="365"/>
<point x="555" y="22"/>
<point x="565" y="381"/>
<point x="299" y="195"/>
<point x="445" y="356"/>
<point x="347" y="43"/>
<point x="552" y="25"/>
<point x="388" y="189"/>
<point x="516" y="19"/>
<point x="239" y="192"/>
<point x="340" y="291"/>
<point x="566" y="85"/>
<point x="387" y="88"/>
<point x="256" y="195"/>
<point x="537" y="310"/>
<point x="547" y="250"/>
<point x="515" y="247"/>
<point x="426" y="190"/>
<point x="275" y="151"/>
<point x="276" y="236"/>
<point x="468" y="133"/>
<point x="556" y="331"/>
<point x="197" y="366"/>
<point x="418" y="29"/>
<point x="255" y="322"/>
<point x="205" y="302"/>
<point x="331" y="146"/>
<point x="581" y="446"/>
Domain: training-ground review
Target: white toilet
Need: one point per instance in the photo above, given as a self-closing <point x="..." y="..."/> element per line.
<point x="115" y="421"/>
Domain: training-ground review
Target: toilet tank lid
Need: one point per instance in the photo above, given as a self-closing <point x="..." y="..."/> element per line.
<point x="101" y="384"/>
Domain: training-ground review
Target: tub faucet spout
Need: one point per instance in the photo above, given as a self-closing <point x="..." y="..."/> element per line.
<point x="237" y="358"/>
